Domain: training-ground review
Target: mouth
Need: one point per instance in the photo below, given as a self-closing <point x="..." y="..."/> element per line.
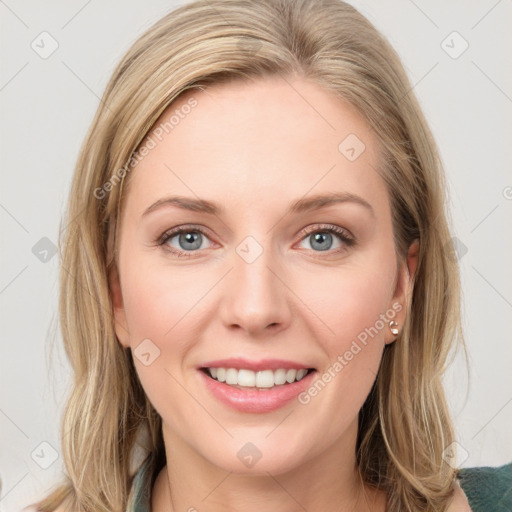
<point x="244" y="378"/>
<point x="258" y="390"/>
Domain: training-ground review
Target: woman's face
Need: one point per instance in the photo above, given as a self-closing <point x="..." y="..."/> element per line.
<point x="261" y="278"/>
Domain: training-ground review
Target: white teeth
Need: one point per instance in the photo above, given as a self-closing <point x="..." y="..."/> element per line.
<point x="301" y="373"/>
<point x="279" y="377"/>
<point x="265" y="379"/>
<point x="246" y="378"/>
<point x="231" y="376"/>
<point x="261" y="379"/>
<point x="290" y="375"/>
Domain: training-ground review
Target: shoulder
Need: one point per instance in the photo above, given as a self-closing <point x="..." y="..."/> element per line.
<point x="459" y="502"/>
<point x="488" y="488"/>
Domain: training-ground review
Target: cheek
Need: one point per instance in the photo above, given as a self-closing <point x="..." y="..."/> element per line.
<point x="354" y="304"/>
<point x="158" y="313"/>
<point x="351" y="303"/>
<point x="159" y="301"/>
<point x="158" y="310"/>
<point x="353" y="353"/>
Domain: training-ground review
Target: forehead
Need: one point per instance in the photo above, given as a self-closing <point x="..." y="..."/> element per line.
<point x="258" y="145"/>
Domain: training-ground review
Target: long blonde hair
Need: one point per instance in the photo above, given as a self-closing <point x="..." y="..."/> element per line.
<point x="404" y="425"/>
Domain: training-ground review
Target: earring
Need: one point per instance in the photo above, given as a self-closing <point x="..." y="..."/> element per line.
<point x="393" y="326"/>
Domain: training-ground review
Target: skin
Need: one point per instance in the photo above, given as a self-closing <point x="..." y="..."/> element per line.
<point x="254" y="148"/>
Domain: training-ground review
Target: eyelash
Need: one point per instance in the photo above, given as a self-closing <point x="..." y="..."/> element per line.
<point x="347" y="239"/>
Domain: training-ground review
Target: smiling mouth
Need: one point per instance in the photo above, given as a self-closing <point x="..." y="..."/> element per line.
<point x="260" y="380"/>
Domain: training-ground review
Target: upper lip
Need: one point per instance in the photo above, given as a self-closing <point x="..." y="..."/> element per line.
<point x="263" y="364"/>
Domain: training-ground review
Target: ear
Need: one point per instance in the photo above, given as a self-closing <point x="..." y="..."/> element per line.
<point x="120" y="324"/>
<point x="403" y="290"/>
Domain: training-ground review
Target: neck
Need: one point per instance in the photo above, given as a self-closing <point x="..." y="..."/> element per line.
<point x="326" y="482"/>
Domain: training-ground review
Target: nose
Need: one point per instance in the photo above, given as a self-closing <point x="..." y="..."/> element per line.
<point x="255" y="297"/>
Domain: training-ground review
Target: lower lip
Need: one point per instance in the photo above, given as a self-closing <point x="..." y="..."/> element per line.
<point x="253" y="400"/>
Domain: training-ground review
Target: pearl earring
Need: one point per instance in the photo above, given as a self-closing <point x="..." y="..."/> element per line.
<point x="393" y="326"/>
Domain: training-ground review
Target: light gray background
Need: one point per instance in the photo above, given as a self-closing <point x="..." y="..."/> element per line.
<point x="48" y="104"/>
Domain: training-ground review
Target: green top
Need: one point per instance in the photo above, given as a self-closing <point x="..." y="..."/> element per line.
<point x="488" y="489"/>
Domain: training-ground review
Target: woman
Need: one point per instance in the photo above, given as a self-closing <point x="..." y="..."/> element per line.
<point x="199" y="304"/>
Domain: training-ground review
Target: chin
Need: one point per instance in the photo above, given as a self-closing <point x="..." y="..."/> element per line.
<point x="258" y="458"/>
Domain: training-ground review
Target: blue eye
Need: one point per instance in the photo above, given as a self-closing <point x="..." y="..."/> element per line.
<point x="190" y="239"/>
<point x="320" y="240"/>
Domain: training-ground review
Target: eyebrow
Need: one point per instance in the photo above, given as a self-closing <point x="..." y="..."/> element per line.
<point x="300" y="206"/>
